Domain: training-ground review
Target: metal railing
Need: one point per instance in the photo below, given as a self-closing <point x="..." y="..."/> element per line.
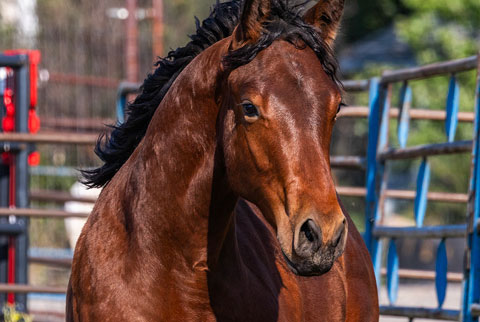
<point x="379" y="152"/>
<point x="18" y="239"/>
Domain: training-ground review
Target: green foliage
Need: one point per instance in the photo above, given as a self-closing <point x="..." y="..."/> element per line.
<point x="436" y="32"/>
<point x="364" y="17"/>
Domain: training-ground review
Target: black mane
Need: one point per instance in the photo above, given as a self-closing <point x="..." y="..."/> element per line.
<point x="285" y="23"/>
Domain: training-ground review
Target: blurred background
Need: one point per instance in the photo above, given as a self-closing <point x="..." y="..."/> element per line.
<point x="89" y="47"/>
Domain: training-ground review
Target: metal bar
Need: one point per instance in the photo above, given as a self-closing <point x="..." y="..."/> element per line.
<point x="421" y="201"/>
<point x="22" y="178"/>
<point x="449" y="231"/>
<point x="11" y="229"/>
<point x="453" y="101"/>
<point x="124" y="89"/>
<point x="417" y="114"/>
<point x="4" y="200"/>
<point x="42" y="213"/>
<point x="406" y="194"/>
<point x="383" y="143"/>
<point x="53" y="171"/>
<point x="420" y="313"/>
<point x="12" y="147"/>
<point x="382" y="178"/>
<point x="449" y="67"/>
<point x="58" y="196"/>
<point x="356" y="85"/>
<point x="425" y="275"/>
<point x="45" y="315"/>
<point x="471" y="291"/>
<point x="441" y="271"/>
<point x="352" y="191"/>
<point x="83" y="124"/>
<point x="50" y="261"/>
<point x="383" y="139"/>
<point x="50" y="138"/>
<point x="392" y="271"/>
<point x="131" y="45"/>
<point x="353" y="111"/>
<point x="158" y="28"/>
<point x="23" y="289"/>
<point x="350" y="162"/>
<point x="128" y="88"/>
<point x="14" y="61"/>
<point x="426" y="150"/>
<point x="373" y="172"/>
<point x="403" y="119"/>
<point x="435" y="196"/>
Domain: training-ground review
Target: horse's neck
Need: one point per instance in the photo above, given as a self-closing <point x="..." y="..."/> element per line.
<point x="184" y="207"/>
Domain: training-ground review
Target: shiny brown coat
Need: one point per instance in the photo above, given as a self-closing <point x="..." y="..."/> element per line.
<point x="172" y="237"/>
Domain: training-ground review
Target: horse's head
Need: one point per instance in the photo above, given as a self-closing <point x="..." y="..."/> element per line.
<point x="280" y="109"/>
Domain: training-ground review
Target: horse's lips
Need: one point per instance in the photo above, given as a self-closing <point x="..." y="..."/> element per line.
<point x="290" y="264"/>
<point x="301" y="272"/>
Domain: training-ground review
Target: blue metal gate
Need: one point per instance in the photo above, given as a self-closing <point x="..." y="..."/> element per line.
<point x="380" y="151"/>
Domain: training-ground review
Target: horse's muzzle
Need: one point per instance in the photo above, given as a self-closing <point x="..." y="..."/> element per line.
<point x="310" y="256"/>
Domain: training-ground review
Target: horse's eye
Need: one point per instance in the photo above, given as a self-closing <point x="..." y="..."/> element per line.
<point x="250" y="111"/>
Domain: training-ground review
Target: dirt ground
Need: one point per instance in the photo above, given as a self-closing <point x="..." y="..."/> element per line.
<point x="421" y="295"/>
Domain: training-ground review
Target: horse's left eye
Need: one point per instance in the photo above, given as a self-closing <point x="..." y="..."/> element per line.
<point x="250" y="112"/>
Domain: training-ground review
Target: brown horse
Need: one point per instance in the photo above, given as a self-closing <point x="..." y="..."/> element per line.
<point x="224" y="208"/>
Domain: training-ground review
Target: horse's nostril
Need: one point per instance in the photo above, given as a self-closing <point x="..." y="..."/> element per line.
<point x="308" y="234"/>
<point x="309" y="229"/>
<point x="309" y="239"/>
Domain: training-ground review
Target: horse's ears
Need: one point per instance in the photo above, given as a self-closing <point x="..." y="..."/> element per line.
<point x="254" y="14"/>
<point x="326" y="16"/>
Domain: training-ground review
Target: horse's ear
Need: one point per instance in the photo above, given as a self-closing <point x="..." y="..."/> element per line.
<point x="326" y="16"/>
<point x="254" y="14"/>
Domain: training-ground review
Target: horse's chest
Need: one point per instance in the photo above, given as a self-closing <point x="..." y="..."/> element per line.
<point x="246" y="298"/>
<point x="257" y="290"/>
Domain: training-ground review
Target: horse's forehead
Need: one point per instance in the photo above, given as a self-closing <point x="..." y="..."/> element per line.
<point x="284" y="60"/>
<point x="284" y="68"/>
<point x="286" y="52"/>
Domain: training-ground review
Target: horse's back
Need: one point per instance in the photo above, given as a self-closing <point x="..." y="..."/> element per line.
<point x="346" y="293"/>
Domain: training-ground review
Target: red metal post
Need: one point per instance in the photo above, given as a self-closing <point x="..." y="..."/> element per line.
<point x="131" y="48"/>
<point x="157" y="26"/>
